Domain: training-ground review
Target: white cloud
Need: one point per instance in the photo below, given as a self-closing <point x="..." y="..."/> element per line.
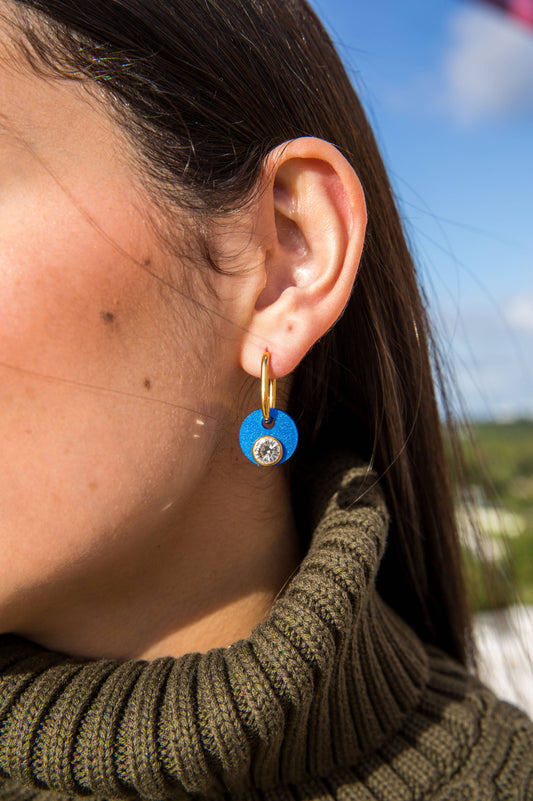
<point x="490" y="356"/>
<point x="519" y="314"/>
<point x="487" y="70"/>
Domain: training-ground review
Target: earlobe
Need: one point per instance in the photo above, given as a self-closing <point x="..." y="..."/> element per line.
<point x="315" y="204"/>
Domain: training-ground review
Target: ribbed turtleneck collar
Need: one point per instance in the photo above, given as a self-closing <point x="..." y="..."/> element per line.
<point x="321" y="684"/>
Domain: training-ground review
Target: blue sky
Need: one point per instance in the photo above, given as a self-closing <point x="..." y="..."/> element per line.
<point x="448" y="86"/>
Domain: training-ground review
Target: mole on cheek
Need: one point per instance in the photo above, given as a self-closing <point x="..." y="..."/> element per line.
<point x="107" y="317"/>
<point x="147" y="383"/>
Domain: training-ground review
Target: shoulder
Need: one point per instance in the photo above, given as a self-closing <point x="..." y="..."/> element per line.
<point x="461" y="743"/>
<point x="484" y="745"/>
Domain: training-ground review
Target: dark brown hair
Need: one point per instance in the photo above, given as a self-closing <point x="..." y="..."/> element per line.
<point x="206" y="90"/>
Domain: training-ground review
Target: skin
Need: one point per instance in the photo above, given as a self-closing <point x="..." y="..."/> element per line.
<point x="132" y="526"/>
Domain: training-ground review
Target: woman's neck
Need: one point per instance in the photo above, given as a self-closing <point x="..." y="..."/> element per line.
<point x="203" y="581"/>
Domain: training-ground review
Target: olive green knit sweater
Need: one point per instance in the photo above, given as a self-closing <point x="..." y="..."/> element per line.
<point x="332" y="697"/>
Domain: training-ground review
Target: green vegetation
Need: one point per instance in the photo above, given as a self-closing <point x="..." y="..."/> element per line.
<point x="500" y="470"/>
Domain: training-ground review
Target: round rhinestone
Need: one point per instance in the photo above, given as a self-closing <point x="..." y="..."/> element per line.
<point x="267" y="451"/>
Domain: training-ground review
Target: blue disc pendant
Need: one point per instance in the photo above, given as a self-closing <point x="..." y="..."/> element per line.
<point x="267" y="445"/>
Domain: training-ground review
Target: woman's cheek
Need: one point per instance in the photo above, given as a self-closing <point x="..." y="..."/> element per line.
<point x="67" y="293"/>
<point x="71" y="341"/>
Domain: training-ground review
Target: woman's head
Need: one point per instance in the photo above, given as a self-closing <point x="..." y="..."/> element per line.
<point x="185" y="148"/>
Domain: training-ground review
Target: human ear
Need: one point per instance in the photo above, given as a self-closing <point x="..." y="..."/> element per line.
<point x="313" y="216"/>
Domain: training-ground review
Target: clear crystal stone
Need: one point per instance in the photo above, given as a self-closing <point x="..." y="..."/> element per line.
<point x="267" y="451"/>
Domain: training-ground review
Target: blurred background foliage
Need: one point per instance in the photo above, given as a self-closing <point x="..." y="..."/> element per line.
<point x="495" y="512"/>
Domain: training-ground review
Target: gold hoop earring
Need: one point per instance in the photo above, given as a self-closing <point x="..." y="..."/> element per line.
<point x="268" y="436"/>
